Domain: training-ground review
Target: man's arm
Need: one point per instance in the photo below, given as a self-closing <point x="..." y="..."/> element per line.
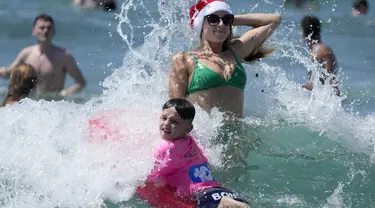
<point x="20" y="59"/>
<point x="73" y="70"/>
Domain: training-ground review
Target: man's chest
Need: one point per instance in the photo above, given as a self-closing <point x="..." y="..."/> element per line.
<point x="46" y="66"/>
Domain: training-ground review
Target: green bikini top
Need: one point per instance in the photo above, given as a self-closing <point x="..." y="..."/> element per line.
<point x="205" y="78"/>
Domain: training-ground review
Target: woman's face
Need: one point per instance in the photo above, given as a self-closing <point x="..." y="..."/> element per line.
<point x="216" y="26"/>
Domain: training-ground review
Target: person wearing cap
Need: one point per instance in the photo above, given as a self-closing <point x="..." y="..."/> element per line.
<point x="212" y="75"/>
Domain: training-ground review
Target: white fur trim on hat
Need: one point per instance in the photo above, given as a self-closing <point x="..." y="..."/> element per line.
<point x="209" y="9"/>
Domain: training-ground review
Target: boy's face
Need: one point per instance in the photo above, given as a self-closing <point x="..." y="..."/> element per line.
<point x="171" y="126"/>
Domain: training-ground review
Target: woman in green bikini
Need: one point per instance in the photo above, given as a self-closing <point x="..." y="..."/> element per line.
<point x="212" y="75"/>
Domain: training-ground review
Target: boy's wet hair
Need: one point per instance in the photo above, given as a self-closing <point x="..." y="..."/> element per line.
<point x="183" y="107"/>
<point x="311" y="27"/>
<point x="357" y="4"/>
<point x="44" y="17"/>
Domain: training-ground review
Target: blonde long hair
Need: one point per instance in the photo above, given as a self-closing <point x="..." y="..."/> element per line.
<point x="22" y="80"/>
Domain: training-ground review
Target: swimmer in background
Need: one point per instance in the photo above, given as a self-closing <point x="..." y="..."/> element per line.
<point x="300" y="3"/>
<point x="360" y="7"/>
<point x="107" y="5"/>
<point x="51" y="62"/>
<point x="321" y="53"/>
<point x="22" y="81"/>
<point x="181" y="164"/>
<point x="87" y="4"/>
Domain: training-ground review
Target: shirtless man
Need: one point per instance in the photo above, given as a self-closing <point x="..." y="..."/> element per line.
<point x="320" y="52"/>
<point x="51" y="62"/>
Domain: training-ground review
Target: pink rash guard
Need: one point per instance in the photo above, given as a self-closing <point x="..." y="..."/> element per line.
<point x="181" y="164"/>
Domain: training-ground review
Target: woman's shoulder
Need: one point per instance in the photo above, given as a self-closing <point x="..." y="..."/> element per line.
<point x="183" y="59"/>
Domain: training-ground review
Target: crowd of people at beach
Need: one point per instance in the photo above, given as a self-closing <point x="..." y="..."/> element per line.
<point x="211" y="75"/>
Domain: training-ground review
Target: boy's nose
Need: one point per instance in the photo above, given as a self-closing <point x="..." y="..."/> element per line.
<point x="167" y="123"/>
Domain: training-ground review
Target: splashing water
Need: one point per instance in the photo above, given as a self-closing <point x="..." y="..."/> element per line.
<point x="312" y="151"/>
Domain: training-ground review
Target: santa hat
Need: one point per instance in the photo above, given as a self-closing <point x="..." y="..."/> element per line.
<point x="203" y="8"/>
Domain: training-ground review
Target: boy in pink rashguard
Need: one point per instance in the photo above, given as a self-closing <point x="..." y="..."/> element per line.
<point x="180" y="162"/>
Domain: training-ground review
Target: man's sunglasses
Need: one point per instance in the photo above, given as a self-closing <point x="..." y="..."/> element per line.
<point x="214" y="19"/>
